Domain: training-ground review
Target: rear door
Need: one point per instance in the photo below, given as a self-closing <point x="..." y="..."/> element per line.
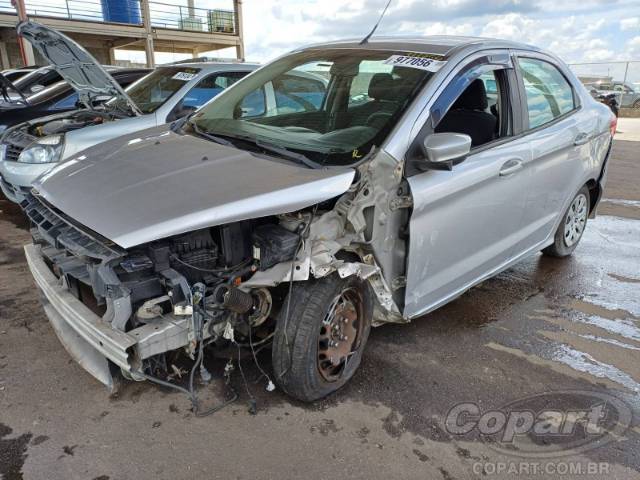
<point x="465" y="222"/>
<point x="560" y="137"/>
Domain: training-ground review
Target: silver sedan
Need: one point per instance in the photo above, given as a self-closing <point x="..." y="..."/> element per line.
<point x="417" y="169"/>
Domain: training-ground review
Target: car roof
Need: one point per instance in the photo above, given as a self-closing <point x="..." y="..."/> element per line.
<point x="216" y="66"/>
<point x="444" y="45"/>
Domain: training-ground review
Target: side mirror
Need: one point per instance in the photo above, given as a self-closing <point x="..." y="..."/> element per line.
<point x="442" y="149"/>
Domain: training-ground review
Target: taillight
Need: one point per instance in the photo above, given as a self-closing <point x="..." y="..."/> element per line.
<point x="613" y="125"/>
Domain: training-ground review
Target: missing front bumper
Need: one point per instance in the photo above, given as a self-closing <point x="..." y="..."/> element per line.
<point x="91" y="341"/>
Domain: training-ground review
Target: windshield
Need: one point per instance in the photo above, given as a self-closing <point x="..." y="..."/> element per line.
<point x="153" y="90"/>
<point x="330" y="106"/>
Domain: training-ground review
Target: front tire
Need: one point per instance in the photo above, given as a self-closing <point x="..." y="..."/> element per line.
<point x="571" y="227"/>
<point x="319" y="347"/>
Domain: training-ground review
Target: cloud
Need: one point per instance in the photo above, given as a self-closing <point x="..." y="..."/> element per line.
<point x="630" y="23"/>
<point x="576" y="30"/>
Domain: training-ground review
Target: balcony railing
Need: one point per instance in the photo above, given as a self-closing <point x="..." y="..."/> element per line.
<point x="163" y="15"/>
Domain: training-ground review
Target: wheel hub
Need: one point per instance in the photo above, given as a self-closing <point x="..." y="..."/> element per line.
<point x="576" y="220"/>
<point x="339" y="335"/>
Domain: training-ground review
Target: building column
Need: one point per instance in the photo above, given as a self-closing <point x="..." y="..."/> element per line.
<point x="4" y="56"/>
<point x="148" y="44"/>
<point x="112" y="55"/>
<point x="26" y="50"/>
<point x="237" y="6"/>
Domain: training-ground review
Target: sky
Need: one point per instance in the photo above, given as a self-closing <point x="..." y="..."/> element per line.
<point x="576" y="30"/>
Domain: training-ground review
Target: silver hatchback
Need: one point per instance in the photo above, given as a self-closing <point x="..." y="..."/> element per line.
<point x="414" y="170"/>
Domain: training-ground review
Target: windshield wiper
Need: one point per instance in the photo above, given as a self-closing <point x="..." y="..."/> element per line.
<point x="286" y="153"/>
<point x="266" y="146"/>
<point x="209" y="136"/>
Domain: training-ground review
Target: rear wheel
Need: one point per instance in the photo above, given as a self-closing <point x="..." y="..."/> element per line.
<point x="318" y="348"/>
<point x="571" y="227"/>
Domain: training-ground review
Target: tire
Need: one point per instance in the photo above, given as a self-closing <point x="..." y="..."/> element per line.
<point x="572" y="226"/>
<point x="301" y="342"/>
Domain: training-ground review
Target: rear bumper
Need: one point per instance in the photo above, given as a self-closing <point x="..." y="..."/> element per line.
<point x="602" y="180"/>
<point x="91" y="341"/>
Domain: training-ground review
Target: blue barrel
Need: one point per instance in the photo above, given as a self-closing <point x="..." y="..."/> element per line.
<point x="121" y="11"/>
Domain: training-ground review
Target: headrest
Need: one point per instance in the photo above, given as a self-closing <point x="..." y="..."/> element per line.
<point x="382" y="86"/>
<point x="473" y="98"/>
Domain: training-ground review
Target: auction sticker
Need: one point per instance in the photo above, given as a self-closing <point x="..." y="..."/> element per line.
<point x="415" y="61"/>
<point x="184" y="76"/>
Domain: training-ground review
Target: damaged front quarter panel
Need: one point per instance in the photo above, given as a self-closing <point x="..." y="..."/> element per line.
<point x="366" y="223"/>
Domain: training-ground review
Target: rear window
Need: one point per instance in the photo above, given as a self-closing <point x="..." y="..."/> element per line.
<point x="549" y="94"/>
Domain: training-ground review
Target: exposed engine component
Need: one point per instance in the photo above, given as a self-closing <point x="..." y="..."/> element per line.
<point x="274" y="244"/>
<point x="152" y="308"/>
<point x="256" y="303"/>
<point x="233" y="299"/>
<point x="262" y="307"/>
<point x="67" y="124"/>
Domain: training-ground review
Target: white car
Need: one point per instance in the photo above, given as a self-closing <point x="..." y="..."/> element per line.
<point x="30" y="149"/>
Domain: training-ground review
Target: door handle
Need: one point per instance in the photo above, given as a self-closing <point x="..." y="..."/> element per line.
<point x="510" y="167"/>
<point x="581" y="139"/>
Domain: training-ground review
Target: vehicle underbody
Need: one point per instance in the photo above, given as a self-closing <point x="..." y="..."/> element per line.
<point x="220" y="285"/>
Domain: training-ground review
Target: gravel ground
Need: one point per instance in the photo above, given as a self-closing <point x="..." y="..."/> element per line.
<point x="544" y="326"/>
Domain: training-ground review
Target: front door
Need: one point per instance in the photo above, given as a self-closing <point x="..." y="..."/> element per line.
<point x="465" y="222"/>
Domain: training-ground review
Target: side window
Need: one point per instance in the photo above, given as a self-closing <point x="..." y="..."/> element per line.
<point x="549" y="94"/>
<point x="209" y="87"/>
<point x="253" y="105"/>
<point x="298" y="93"/>
<point x="65" y="103"/>
<point x="478" y="109"/>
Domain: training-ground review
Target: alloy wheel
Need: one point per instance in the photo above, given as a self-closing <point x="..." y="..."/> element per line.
<point x="576" y="220"/>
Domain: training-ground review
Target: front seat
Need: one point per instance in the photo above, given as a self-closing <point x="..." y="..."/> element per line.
<point x="468" y="115"/>
<point x="383" y="91"/>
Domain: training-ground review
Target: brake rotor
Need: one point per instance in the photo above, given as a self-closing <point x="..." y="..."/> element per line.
<point x="339" y="334"/>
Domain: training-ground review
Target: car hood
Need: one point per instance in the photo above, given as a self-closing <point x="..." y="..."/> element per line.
<point x="158" y="183"/>
<point x="74" y="64"/>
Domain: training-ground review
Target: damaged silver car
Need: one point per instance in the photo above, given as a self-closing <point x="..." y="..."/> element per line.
<point x="375" y="200"/>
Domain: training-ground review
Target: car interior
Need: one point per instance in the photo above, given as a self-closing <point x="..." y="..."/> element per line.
<point x="472" y="115"/>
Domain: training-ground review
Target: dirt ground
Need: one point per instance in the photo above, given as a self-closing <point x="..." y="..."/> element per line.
<point x="544" y="326"/>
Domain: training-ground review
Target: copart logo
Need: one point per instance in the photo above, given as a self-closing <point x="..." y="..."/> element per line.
<point x="545" y="425"/>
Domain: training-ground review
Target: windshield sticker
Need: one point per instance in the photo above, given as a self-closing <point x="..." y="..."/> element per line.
<point x="184" y="76"/>
<point x="415" y="61"/>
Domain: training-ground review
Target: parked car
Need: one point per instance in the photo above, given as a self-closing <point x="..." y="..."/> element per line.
<point x="29" y="149"/>
<point x="627" y="95"/>
<point x="57" y="98"/>
<point x="304" y="227"/>
<point x="608" y="99"/>
<point x="13" y="74"/>
<point x="33" y="82"/>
